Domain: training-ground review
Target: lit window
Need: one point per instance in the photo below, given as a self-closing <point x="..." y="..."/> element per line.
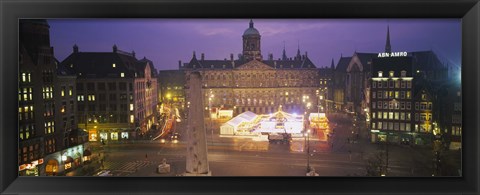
<point x="113" y="65"/>
<point x="70" y="91"/>
<point x="63" y="91"/>
<point x="131" y="119"/>
<point x="122" y="74"/>
<point x="391" y="73"/>
<point x="380" y="74"/>
<point x="131" y="107"/>
<point x="24" y="77"/>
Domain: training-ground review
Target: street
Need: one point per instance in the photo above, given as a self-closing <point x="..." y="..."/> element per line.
<point x="244" y="155"/>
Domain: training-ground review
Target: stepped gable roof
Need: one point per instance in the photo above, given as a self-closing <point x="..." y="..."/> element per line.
<point x="100" y="64"/>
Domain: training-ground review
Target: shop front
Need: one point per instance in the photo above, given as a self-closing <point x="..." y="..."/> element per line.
<point x="30" y="169"/>
<point x="111" y="134"/>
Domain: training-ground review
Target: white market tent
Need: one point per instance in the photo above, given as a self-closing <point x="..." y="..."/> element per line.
<point x="235" y="123"/>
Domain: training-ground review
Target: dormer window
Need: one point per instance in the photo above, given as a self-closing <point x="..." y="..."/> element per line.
<point x="71" y="65"/>
<point x="380" y="74"/>
<point x="391" y="73"/>
<point x="113" y="65"/>
<point x="403" y="73"/>
<point x="122" y="74"/>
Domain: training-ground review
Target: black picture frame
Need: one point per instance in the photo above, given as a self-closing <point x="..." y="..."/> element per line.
<point x="467" y="10"/>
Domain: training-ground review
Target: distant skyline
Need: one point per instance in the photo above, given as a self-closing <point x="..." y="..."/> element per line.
<point x="166" y="41"/>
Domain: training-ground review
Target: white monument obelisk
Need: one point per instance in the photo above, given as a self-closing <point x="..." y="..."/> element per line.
<point x="197" y="162"/>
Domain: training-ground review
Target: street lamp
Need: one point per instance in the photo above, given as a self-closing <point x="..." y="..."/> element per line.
<point x="210" y="112"/>
<point x="308" y="151"/>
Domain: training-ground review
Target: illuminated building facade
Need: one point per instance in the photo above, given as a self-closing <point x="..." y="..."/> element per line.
<point x="251" y="83"/>
<point x="116" y="93"/>
<point x="392" y="99"/>
<point x="171" y="86"/>
<point x="46" y="99"/>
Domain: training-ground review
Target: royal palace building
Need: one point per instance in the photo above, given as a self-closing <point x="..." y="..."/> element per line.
<point x="252" y="83"/>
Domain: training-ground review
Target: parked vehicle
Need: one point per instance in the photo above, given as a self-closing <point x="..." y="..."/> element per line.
<point x="282" y="138"/>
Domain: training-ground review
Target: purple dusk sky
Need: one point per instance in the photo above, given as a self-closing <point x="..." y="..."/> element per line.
<point x="166" y="41"/>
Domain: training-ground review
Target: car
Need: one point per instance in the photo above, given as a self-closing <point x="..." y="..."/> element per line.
<point x="104" y="173"/>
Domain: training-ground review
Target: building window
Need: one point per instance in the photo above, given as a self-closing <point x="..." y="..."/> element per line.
<point x="391" y="74"/>
<point x="374" y="104"/>
<point x="113" y="65"/>
<point x="379" y="84"/>
<point x="379" y="125"/>
<point x="374" y="115"/>
<point x="373" y="126"/>
<point x="409" y="84"/>
<point x="416" y="116"/>
<point x="403" y="73"/>
<point x="416" y="105"/>
<point x="380" y="74"/>
<point x="132" y="119"/>
<point x="70" y="91"/>
<point x="131" y="107"/>
<point x="379" y="115"/>
<point x="379" y="104"/>
<point x="403" y="84"/>
<point x="408" y="95"/>
<point x="122" y="74"/>
<point x="380" y="94"/>
<point x="374" y="84"/>
<point x="80" y="98"/>
<point x="374" y="95"/>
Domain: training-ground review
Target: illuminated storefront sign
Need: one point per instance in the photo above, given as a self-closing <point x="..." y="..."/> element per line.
<point x="392" y="54"/>
<point x="124" y="135"/>
<point x="92" y="135"/>
<point x="31" y="165"/>
<point x="114" y="135"/>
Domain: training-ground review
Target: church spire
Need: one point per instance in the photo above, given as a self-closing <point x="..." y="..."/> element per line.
<point x="251" y="23"/>
<point x="388" y="48"/>
<point x="284" y="55"/>
<point x="332" y="66"/>
<point x="298" y="52"/>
